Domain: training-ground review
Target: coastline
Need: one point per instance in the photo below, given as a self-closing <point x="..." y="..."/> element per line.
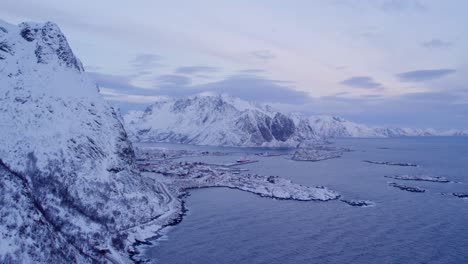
<point x="177" y="217"/>
<point x="177" y="179"/>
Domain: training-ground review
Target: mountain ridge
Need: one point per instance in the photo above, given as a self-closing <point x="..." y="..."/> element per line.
<point x="228" y="121"/>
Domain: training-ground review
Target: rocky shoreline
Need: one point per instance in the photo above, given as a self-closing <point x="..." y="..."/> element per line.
<point x="178" y="178"/>
<point x="358" y="203"/>
<point x="461" y="195"/>
<point x="427" y="178"/>
<point x="402" y="164"/>
<point x="315" y="151"/>
<point x="406" y="188"/>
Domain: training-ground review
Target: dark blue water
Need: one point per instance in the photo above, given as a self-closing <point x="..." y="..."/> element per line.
<point x="229" y="226"/>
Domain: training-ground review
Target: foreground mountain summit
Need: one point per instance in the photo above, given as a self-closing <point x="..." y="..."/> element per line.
<point x="229" y="121"/>
<point x="69" y="190"/>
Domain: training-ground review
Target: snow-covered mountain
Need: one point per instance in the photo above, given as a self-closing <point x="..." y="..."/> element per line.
<point x="229" y="121"/>
<point x="214" y="120"/>
<point x="69" y="190"/>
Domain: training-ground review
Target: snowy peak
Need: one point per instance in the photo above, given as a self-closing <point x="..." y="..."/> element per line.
<point x="217" y="103"/>
<point x="224" y="120"/>
<point x="30" y="53"/>
<point x="333" y="126"/>
<point x="204" y="104"/>
<point x="213" y="120"/>
<point x="47" y="41"/>
<point x="51" y="44"/>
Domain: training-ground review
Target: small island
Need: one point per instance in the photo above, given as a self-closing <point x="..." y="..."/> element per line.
<point x="407" y="188"/>
<point x="427" y="178"/>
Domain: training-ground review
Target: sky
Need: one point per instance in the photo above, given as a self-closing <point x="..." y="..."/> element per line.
<point x="383" y="63"/>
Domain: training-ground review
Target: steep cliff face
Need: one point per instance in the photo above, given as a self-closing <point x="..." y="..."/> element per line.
<point x="67" y="167"/>
<point x="213" y="120"/>
<point x="282" y="127"/>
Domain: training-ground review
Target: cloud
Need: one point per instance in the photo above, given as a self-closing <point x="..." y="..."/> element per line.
<point x="92" y="68"/>
<point x="128" y="102"/>
<point x="402" y="6"/>
<point x="345" y="3"/>
<point x="424" y="75"/>
<point x="339" y="68"/>
<point x="253" y="71"/>
<point x="174" y="79"/>
<point x="196" y="69"/>
<point x="432" y="97"/>
<point x="256" y="88"/>
<point x="117" y="82"/>
<point x="429" y="109"/>
<point x="245" y="86"/>
<point x="361" y="82"/>
<point x="436" y="43"/>
<point x="146" y="61"/>
<point x="114" y="95"/>
<point x="439" y="110"/>
<point x="262" y="54"/>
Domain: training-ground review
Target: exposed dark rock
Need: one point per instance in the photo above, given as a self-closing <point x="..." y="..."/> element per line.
<point x="407" y="188"/>
<point x="264" y="128"/>
<point x="271" y="179"/>
<point x="403" y="164"/>
<point x="419" y="178"/>
<point x="27" y="33"/>
<point x="315" y="155"/>
<point x="317" y="151"/>
<point x="282" y="127"/>
<point x="461" y="195"/>
<point x="5" y="47"/>
<point x="50" y="41"/>
<point x="358" y="203"/>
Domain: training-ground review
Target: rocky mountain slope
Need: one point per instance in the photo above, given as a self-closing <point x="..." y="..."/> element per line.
<point x="212" y="121"/>
<point x="228" y="121"/>
<point x="69" y="189"/>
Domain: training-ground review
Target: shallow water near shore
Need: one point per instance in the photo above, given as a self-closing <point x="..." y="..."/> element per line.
<point x="231" y="226"/>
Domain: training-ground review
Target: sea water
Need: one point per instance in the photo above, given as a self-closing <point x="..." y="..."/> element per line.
<point x="231" y="226"/>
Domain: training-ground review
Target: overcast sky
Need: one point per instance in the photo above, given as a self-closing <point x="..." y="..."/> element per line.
<point x="389" y="62"/>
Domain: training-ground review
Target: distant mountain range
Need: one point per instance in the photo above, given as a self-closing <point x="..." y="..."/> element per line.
<point x="230" y="121"/>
